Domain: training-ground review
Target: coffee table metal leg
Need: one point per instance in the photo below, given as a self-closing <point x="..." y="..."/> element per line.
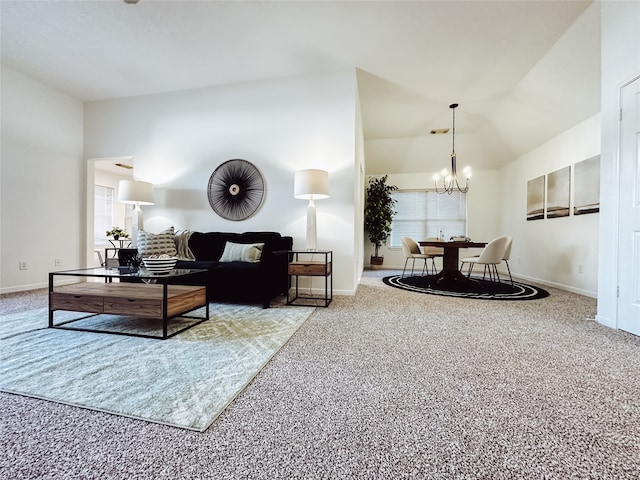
<point x="165" y="303"/>
<point x="50" y="293"/>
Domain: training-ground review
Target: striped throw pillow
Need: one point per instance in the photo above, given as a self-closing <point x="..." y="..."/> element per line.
<point x="162" y="243"/>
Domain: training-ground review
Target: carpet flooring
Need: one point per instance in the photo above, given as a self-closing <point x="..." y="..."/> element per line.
<point x="386" y="384"/>
<point x="185" y="381"/>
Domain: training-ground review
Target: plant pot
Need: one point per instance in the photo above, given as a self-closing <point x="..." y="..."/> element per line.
<point x="377" y="260"/>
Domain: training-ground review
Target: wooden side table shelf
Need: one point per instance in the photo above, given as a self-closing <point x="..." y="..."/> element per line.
<point x="311" y="263"/>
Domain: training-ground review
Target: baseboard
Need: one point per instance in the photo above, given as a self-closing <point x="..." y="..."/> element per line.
<point x="606" y="321"/>
<point x="559" y="286"/>
<point x="35" y="286"/>
<point x="24" y="288"/>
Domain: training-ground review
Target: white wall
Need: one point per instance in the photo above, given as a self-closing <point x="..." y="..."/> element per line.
<point x="281" y="126"/>
<point x="41" y="208"/>
<point x="620" y="64"/>
<point x="550" y="251"/>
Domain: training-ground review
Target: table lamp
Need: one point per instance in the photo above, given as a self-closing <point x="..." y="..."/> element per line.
<point x="136" y="193"/>
<point x="311" y="185"/>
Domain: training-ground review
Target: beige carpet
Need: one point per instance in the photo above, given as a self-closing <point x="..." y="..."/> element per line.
<point x="387" y="384"/>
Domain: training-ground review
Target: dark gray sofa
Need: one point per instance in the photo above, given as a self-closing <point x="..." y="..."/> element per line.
<point x="241" y="281"/>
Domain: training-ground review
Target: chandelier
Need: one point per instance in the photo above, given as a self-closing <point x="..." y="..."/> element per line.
<point x="445" y="181"/>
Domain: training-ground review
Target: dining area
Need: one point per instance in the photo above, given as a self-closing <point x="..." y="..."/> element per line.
<point x="455" y="273"/>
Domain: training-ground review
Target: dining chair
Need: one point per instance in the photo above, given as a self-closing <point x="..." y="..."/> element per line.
<point x="412" y="252"/>
<point x="491" y="256"/>
<point x="434" y="252"/>
<point x="507" y="255"/>
<point x="99" y="253"/>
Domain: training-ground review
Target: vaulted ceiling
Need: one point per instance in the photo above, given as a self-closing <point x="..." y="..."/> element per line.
<point x="522" y="71"/>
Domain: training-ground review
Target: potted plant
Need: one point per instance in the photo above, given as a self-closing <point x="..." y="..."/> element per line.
<point x="117" y="232"/>
<point x="378" y="214"/>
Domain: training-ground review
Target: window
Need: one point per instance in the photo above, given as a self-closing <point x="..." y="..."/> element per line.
<point x="103" y="213"/>
<point x="422" y="214"/>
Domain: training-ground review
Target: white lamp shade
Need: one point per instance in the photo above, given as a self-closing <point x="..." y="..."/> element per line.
<point x="311" y="184"/>
<point x="133" y="191"/>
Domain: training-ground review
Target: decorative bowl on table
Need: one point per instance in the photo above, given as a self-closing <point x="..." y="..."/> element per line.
<point x="159" y="265"/>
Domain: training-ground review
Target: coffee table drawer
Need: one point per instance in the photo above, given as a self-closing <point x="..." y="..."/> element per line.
<point x="138" y="307"/>
<point x="185" y="298"/>
<point x="76" y="302"/>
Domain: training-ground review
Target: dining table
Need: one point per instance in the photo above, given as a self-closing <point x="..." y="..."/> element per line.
<point x="450" y="277"/>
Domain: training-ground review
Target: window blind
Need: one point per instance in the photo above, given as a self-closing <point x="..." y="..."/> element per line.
<point x="103" y="212"/>
<point x="423" y="214"/>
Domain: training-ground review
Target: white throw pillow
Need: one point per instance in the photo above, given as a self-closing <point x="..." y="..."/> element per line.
<point x="242" y="252"/>
<point x="162" y="243"/>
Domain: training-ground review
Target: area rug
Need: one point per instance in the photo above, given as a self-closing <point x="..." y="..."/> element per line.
<point x="185" y="381"/>
<point x="486" y="290"/>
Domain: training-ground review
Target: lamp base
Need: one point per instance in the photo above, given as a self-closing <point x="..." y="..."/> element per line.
<point x="136" y="224"/>
<point x="312" y="235"/>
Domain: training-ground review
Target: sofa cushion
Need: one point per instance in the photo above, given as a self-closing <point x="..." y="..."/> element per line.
<point x="210" y="245"/>
<point x="162" y="243"/>
<point x="242" y="252"/>
<point x="207" y="246"/>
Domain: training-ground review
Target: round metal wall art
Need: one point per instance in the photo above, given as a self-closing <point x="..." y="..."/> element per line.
<point x="236" y="190"/>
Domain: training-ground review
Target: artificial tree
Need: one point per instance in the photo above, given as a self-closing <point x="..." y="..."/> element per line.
<point x="378" y="214"/>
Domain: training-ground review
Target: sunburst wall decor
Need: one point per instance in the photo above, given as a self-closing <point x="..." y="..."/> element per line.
<point x="236" y="189"/>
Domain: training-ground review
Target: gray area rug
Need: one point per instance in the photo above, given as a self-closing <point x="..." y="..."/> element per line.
<point x="185" y="381"/>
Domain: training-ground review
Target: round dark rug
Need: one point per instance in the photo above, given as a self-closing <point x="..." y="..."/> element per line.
<point x="486" y="290"/>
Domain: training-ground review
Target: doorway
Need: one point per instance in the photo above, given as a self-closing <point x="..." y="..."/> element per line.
<point x="103" y="209"/>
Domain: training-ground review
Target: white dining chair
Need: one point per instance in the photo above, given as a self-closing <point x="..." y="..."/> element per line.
<point x="507" y="255"/>
<point x="491" y="256"/>
<point x="433" y="252"/>
<point x="412" y="252"/>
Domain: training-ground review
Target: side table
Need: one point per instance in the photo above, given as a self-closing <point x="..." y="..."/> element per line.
<point x="311" y="263"/>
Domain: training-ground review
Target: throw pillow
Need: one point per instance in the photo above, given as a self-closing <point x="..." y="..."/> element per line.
<point x="242" y="252"/>
<point x="162" y="243"/>
<point x="182" y="245"/>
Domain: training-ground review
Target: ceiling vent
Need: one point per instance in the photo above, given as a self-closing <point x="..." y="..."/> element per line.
<point x="439" y="131"/>
<point x="124" y="165"/>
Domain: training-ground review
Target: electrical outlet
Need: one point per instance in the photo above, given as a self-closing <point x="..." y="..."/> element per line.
<point x="57" y="262"/>
<point x="580" y="270"/>
<point x="22" y="265"/>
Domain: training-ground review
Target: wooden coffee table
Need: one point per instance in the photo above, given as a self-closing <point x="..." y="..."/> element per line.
<point x="138" y="295"/>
